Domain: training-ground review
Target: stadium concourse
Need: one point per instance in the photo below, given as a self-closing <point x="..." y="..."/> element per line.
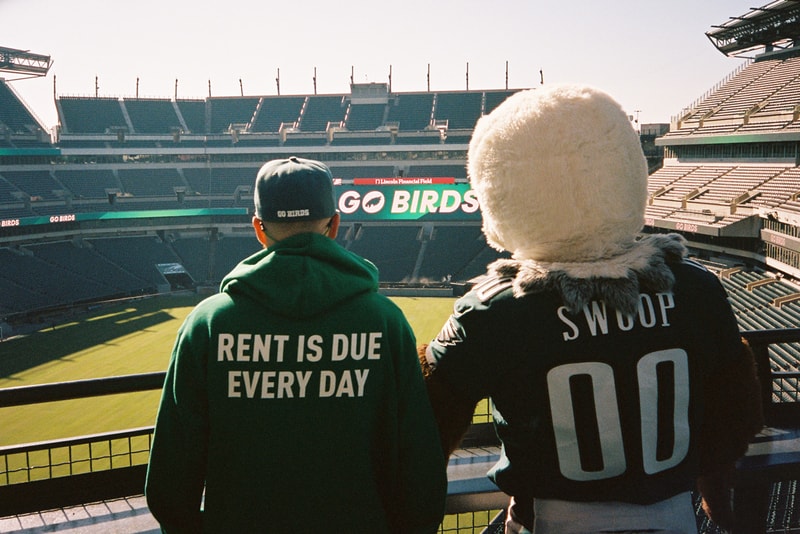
<point x="131" y="197"/>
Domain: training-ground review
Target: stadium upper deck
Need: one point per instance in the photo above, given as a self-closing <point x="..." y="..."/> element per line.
<point x="730" y="175"/>
<point x="368" y="115"/>
<point x="761" y="98"/>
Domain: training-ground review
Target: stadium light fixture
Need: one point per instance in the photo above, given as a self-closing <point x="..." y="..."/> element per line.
<point x="24" y="62"/>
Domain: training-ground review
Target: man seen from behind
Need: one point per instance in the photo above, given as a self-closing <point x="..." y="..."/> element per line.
<point x="294" y="401"/>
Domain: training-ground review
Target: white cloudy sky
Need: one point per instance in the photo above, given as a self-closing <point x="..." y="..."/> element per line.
<point x="652" y="56"/>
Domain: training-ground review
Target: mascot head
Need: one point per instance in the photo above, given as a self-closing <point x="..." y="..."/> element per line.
<point x="560" y="175"/>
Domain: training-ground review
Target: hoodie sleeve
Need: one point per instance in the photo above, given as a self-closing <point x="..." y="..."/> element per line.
<point x="176" y="470"/>
<point x="422" y="465"/>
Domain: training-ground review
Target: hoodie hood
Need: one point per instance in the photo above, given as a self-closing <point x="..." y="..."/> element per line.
<point x="301" y="276"/>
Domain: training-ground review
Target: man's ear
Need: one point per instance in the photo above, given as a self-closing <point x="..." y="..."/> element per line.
<point x="333" y="226"/>
<point x="258" y="226"/>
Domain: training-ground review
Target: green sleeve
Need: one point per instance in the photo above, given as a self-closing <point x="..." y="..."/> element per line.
<point x="423" y="467"/>
<point x="176" y="470"/>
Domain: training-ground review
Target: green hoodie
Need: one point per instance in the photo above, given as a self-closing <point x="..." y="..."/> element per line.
<point x="295" y="399"/>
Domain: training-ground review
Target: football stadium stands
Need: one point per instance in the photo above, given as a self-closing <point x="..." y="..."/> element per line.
<point x="128" y="185"/>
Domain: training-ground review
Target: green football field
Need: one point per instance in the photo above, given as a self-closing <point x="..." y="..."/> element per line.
<point x="121" y="339"/>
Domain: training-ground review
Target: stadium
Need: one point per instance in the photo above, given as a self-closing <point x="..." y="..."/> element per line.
<point x="145" y="204"/>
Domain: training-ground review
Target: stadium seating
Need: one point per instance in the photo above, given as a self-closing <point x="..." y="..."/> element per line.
<point x="88" y="183"/>
<point x="193" y="113"/>
<point x="320" y="111"/>
<point x="151" y="182"/>
<point x="80" y="259"/>
<point x="460" y="110"/>
<point x="13" y="113"/>
<point x="91" y="115"/>
<point x="412" y="111"/>
<point x="6" y="191"/>
<point x="230" y="251"/>
<point x="778" y="191"/>
<point x="450" y="251"/>
<point x="225" y="111"/>
<point x="45" y="282"/>
<point x="393" y="249"/>
<point x="494" y="99"/>
<point x="365" y="116"/>
<point x="760" y="98"/>
<point x="757" y="300"/>
<point x="137" y="255"/>
<point x="349" y="172"/>
<point x="177" y="121"/>
<point x="39" y="185"/>
<point x="274" y="111"/>
<point x="152" y="116"/>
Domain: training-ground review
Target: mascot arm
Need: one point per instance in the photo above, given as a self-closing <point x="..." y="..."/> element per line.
<point x="452" y="410"/>
<point x="733" y="416"/>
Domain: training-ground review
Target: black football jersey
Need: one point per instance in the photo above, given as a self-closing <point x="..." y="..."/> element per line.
<point x="595" y="405"/>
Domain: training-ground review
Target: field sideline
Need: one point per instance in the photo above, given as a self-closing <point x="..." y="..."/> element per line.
<point x="127" y="338"/>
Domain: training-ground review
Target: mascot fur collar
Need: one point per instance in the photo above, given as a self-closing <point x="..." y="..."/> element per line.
<point x="617" y="280"/>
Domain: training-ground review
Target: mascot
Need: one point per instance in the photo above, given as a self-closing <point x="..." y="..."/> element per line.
<point x="618" y="379"/>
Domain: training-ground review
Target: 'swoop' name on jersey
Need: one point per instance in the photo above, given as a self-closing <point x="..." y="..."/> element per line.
<point x="314" y="349"/>
<point x="652" y="312"/>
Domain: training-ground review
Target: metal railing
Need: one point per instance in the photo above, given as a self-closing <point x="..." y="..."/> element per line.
<point x="68" y="472"/>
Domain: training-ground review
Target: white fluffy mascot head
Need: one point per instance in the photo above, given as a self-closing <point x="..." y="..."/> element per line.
<point x="560" y="175"/>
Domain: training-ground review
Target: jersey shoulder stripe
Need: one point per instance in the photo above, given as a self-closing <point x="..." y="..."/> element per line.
<point x="492" y="286"/>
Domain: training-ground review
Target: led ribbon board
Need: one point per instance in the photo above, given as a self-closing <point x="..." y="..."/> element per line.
<point x="97" y="216"/>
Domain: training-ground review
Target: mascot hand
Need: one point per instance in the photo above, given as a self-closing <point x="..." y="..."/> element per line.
<point x="715" y="489"/>
<point x="733" y="415"/>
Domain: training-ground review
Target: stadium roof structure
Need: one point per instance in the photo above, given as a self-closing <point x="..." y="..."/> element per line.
<point x="24" y="62"/>
<point x="774" y="25"/>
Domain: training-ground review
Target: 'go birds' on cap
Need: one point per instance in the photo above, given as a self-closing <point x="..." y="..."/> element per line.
<point x="294" y="189"/>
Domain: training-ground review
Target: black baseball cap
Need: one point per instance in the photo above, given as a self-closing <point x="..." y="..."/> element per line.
<point x="294" y="189"/>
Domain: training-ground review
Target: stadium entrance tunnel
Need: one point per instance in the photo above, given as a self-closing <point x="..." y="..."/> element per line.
<point x="176" y="275"/>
